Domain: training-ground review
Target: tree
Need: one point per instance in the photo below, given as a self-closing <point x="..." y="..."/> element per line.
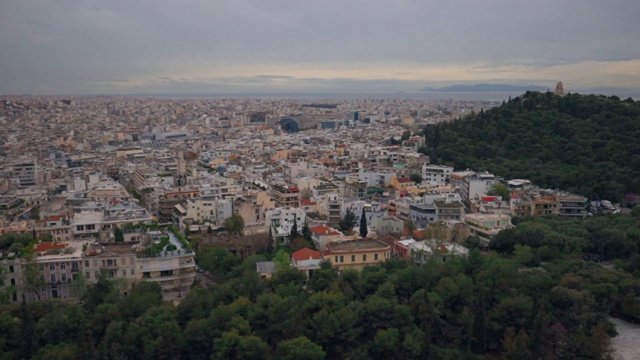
<point x="306" y="231"/>
<point x="45" y="237"/>
<point x="300" y="348"/>
<point x="234" y="224"/>
<point x="33" y="281"/>
<point x="270" y="242"/>
<point x="500" y="189"/>
<point x="406" y="135"/>
<point x="232" y="345"/>
<point x="363" y="224"/>
<point x="216" y="260"/>
<point x="416" y="178"/>
<point x="410" y="225"/>
<point x="282" y="259"/>
<point x="118" y="235"/>
<point x="299" y="243"/>
<point x="35" y="213"/>
<point x="348" y="221"/>
<point x="294" y="233"/>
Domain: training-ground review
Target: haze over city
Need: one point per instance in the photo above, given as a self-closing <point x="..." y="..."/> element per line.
<point x="156" y="47"/>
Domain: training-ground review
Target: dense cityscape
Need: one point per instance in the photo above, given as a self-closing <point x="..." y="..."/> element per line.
<point x="120" y="163"/>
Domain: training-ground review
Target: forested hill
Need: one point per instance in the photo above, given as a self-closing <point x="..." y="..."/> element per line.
<point x="587" y="144"/>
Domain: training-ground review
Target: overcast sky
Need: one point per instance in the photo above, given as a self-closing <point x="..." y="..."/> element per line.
<point x="196" y="46"/>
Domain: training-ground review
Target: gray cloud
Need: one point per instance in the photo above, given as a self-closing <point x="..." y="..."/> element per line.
<point x="63" y="46"/>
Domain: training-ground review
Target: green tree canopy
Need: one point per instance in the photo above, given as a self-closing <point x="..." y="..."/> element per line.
<point x="234" y="224"/>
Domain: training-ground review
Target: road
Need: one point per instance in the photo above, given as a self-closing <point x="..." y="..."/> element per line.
<point x="627" y="344"/>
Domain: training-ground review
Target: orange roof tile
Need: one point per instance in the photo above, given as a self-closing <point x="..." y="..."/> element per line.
<point x="45" y="246"/>
<point x="307" y="202"/>
<point x="324" y="230"/>
<point x="306" y="254"/>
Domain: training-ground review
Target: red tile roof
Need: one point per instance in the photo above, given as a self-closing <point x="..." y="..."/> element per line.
<point x="324" y="230"/>
<point x="489" y="198"/>
<point x="46" y="246"/>
<point x="307" y="202"/>
<point x="404" y="180"/>
<point x="306" y="254"/>
<point x="51" y="218"/>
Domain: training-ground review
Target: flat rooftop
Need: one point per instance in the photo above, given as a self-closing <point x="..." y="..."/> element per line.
<point x="357" y="245"/>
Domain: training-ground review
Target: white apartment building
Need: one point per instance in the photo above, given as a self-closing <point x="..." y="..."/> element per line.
<point x="436" y="173"/>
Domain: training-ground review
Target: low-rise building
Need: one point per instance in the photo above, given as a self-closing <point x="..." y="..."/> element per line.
<point x="356" y="254"/>
<point x="321" y="235"/>
<point x="306" y="260"/>
<point x="421" y="252"/>
<point x="575" y="206"/>
<point x="486" y="226"/>
<point x="174" y="271"/>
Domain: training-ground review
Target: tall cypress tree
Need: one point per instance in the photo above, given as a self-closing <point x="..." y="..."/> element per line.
<point x="306" y="231"/>
<point x="294" y="230"/>
<point x="363" y="225"/>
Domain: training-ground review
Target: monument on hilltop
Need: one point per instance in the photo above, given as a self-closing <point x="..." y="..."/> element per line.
<point x="559" y="89"/>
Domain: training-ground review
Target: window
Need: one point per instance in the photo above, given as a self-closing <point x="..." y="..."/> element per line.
<point x="341" y="258"/>
<point x="132" y="272"/>
<point x="364" y="257"/>
<point x="146" y="275"/>
<point x="52" y="266"/>
<point x="41" y="278"/>
<point x="166" y="273"/>
<point x="10" y="268"/>
<point x="91" y="227"/>
<point x="63" y="266"/>
<point x="353" y="258"/>
<point x="64" y="277"/>
<point x="87" y="275"/>
<point x="53" y="278"/>
<point x="124" y="272"/>
<point x="375" y="257"/>
<point x="336" y="259"/>
<point x="112" y="274"/>
<point x="96" y="274"/>
<point x="13" y="281"/>
<point x="86" y="263"/>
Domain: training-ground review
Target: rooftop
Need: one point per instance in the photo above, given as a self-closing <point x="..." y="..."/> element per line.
<point x="324" y="230"/>
<point x="357" y="245"/>
<point x="306" y="254"/>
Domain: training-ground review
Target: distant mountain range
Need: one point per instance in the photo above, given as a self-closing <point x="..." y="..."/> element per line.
<point x="486" y="88"/>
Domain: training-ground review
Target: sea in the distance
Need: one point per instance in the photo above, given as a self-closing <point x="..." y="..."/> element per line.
<point x="423" y="95"/>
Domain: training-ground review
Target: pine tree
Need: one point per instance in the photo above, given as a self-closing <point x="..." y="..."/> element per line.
<point x="348" y="221"/>
<point x="363" y="224"/>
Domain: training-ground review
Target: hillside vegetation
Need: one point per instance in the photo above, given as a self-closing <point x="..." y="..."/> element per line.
<point x="587" y="144"/>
